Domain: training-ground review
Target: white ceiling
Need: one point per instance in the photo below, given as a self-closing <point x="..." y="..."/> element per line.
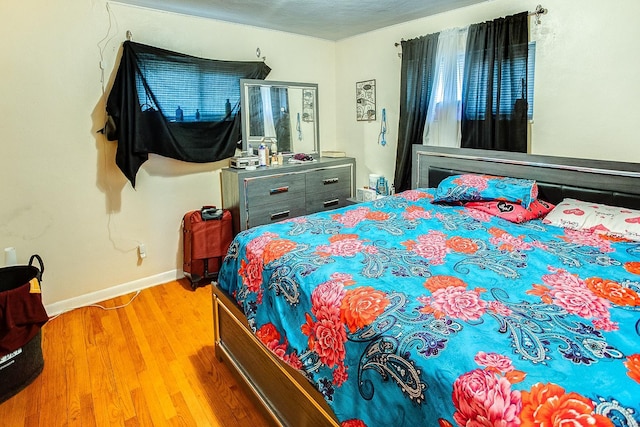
<point x="326" y="19"/>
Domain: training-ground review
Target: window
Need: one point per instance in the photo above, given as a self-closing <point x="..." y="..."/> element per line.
<point x="201" y="93"/>
<point x="517" y="83"/>
<point x="439" y="84"/>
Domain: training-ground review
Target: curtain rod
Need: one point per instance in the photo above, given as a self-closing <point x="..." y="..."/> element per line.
<point x="539" y="11"/>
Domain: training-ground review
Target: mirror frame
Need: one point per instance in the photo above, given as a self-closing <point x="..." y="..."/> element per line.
<point x="245" y="84"/>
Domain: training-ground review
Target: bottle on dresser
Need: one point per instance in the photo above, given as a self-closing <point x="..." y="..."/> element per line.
<point x="262" y="155"/>
<point x="274" y="152"/>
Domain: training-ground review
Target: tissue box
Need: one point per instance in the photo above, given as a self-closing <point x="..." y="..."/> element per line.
<point x="365" y="194"/>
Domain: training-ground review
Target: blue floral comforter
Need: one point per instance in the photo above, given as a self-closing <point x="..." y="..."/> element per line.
<point x="402" y="313"/>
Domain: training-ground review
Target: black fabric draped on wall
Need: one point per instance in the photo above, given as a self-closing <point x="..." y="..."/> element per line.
<point x="418" y="67"/>
<point x="494" y="105"/>
<point x="175" y="105"/>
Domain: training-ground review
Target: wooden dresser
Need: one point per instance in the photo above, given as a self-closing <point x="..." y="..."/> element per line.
<point x="271" y="194"/>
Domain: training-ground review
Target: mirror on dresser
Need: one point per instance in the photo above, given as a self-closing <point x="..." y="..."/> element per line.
<point x="284" y="111"/>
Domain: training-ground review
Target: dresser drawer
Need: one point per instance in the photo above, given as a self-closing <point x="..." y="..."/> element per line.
<point x="329" y="200"/>
<point x="336" y="179"/>
<point x="274" y="189"/>
<point x="274" y="212"/>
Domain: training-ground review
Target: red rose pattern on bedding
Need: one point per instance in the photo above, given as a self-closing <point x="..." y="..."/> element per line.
<point x="426" y="312"/>
<point x="476" y="395"/>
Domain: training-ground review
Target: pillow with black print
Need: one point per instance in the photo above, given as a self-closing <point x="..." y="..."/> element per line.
<point x="513" y="212"/>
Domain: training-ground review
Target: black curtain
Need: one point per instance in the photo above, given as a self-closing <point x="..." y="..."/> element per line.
<point x="494" y="106"/>
<point x="175" y="105"/>
<point x="418" y="67"/>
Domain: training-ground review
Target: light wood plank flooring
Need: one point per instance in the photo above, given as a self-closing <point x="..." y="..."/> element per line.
<point x="150" y="363"/>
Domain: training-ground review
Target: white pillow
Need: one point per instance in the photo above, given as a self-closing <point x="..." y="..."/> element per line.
<point x="604" y="219"/>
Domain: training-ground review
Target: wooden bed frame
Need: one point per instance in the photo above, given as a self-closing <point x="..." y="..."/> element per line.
<point x="286" y="396"/>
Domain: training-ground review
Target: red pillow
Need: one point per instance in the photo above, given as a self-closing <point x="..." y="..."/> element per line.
<point x="513" y="212"/>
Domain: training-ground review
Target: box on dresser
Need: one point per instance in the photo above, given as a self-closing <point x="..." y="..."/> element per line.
<point x="270" y="194"/>
<point x="243" y="161"/>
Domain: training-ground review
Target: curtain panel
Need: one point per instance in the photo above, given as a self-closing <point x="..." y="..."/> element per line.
<point x="417" y="72"/>
<point x="175" y="105"/>
<point x="494" y="105"/>
<point x="445" y="107"/>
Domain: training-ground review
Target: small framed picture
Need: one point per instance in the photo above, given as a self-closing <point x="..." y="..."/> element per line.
<point x="308" y="105"/>
<point x="366" y="100"/>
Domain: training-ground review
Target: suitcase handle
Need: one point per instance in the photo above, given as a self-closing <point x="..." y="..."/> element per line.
<point x="210" y="212"/>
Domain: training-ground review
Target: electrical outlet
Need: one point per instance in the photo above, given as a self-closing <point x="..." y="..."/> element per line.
<point x="142" y="250"/>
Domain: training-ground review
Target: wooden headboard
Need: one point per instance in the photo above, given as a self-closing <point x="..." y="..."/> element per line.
<point x="612" y="183"/>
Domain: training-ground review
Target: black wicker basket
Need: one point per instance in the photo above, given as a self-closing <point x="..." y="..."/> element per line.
<point x="21" y="318"/>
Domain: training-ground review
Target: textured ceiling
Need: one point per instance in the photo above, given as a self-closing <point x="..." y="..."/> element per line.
<point x="326" y="19"/>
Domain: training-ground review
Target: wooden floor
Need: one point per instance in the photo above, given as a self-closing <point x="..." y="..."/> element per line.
<point x="148" y="364"/>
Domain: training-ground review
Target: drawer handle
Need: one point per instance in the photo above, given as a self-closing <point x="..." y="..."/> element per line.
<point x="279" y="215"/>
<point x="330" y="180"/>
<point x="333" y="202"/>
<point x="279" y="190"/>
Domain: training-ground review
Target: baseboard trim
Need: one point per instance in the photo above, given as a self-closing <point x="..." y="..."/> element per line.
<point x="112" y="292"/>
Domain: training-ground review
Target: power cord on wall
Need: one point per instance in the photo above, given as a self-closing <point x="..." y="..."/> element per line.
<point x="101" y="306"/>
<point x="102" y="46"/>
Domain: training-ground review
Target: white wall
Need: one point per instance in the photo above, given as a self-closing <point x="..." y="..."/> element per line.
<point x="61" y="194"/>
<point x="586" y="84"/>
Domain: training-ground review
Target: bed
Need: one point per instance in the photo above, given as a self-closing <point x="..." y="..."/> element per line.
<point x="402" y="311"/>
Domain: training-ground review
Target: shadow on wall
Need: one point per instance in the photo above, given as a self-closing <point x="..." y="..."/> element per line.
<point x="109" y="179"/>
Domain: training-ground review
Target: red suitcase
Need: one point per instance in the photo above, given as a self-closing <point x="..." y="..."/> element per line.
<point x="207" y="234"/>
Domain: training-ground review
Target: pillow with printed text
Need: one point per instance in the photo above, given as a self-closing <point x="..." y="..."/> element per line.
<point x="597" y="217"/>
